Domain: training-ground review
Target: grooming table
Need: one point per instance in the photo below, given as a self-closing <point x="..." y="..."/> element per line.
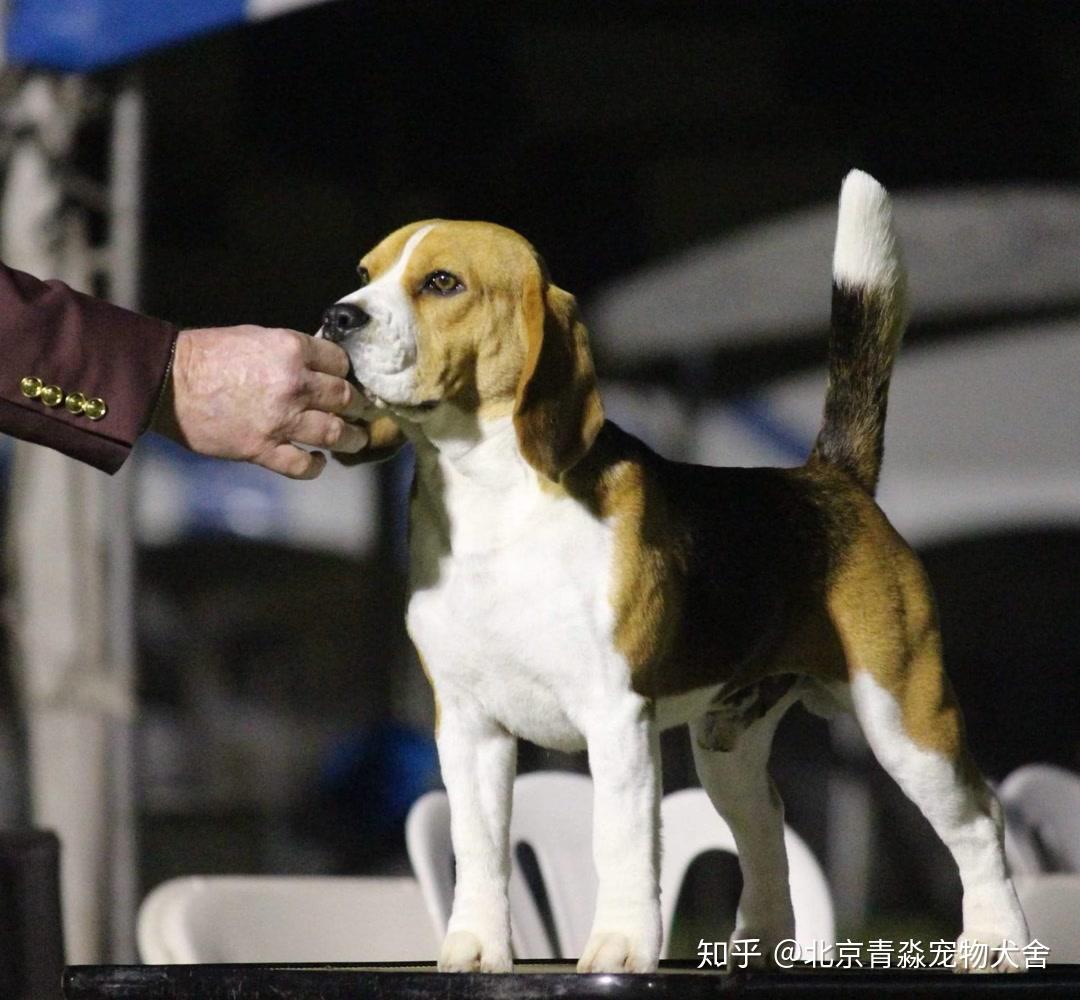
<point x="538" y="981"/>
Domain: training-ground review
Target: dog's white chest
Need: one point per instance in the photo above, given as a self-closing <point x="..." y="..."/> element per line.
<point x="509" y="604"/>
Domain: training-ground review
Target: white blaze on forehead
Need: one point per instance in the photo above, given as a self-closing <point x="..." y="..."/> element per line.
<point x="411" y="244"/>
<point x="391" y="278"/>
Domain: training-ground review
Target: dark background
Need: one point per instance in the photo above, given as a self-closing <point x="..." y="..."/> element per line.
<point x="607" y="133"/>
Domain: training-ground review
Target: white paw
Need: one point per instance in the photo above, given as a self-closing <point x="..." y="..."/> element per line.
<point x="995" y="931"/>
<point x="614" y="951"/>
<point x="464" y="951"/>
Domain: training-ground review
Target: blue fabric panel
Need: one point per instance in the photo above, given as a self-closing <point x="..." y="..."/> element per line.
<point x="82" y="35"/>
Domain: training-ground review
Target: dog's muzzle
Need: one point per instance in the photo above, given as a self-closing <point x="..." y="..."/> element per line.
<point x="342" y="319"/>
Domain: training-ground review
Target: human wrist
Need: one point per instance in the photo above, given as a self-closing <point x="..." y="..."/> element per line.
<point x="165" y="420"/>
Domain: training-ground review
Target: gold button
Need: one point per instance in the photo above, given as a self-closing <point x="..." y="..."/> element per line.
<point x="95" y="408"/>
<point x="52" y="395"/>
<point x="31" y="387"/>
<point x="75" y="402"/>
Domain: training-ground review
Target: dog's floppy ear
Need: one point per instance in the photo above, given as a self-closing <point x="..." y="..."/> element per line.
<point x="384" y="440"/>
<point x="557" y="411"/>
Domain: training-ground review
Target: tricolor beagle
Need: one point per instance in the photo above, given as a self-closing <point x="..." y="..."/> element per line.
<point x="572" y="587"/>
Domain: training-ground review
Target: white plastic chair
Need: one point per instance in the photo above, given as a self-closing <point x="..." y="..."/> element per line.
<point x="552" y="814"/>
<point x="1042" y="819"/>
<point x="427" y="842"/>
<point x="692" y="827"/>
<point x="1051" y="904"/>
<point x="284" y="919"/>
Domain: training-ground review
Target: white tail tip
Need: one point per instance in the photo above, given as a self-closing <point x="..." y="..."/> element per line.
<point x="866" y="253"/>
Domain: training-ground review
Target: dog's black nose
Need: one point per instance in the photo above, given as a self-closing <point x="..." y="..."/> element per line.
<point x="342" y="319"/>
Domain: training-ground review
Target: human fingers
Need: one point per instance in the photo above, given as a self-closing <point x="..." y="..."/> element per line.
<point x="324" y="356"/>
<point x="288" y="460"/>
<point x="334" y="395"/>
<point x="327" y="430"/>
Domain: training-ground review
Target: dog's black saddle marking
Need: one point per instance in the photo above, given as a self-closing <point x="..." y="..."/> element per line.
<point x="733" y="711"/>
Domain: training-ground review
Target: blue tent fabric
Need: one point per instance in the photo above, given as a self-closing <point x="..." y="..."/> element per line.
<point x="84" y="35"/>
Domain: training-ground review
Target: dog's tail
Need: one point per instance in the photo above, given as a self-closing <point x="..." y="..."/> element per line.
<point x="869" y="312"/>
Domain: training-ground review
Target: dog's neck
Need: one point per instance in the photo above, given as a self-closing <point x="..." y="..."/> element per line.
<point x="473" y="486"/>
<point x="482" y="453"/>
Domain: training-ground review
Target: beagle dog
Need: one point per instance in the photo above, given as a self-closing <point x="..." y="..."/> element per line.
<point x="570" y="586"/>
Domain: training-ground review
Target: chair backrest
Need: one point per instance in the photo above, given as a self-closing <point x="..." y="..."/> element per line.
<point x="552" y="816"/>
<point x="553" y="812"/>
<point x="427" y="842"/>
<point x="284" y="919"/>
<point x="692" y="827"/>
<point x="1042" y="819"/>
<point x="1051" y="904"/>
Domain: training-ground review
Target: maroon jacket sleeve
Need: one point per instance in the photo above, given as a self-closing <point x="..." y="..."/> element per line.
<point x="80" y="345"/>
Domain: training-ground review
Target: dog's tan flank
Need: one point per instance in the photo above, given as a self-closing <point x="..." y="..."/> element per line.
<point x="570" y="586"/>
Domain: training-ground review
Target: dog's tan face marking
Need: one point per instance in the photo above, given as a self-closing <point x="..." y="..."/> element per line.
<point x="485" y="331"/>
<point x="463" y="284"/>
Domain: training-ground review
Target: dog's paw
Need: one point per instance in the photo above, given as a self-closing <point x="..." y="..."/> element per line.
<point x="464" y="951"/>
<point x="987" y="951"/>
<point x="995" y="931"/>
<point x="614" y="951"/>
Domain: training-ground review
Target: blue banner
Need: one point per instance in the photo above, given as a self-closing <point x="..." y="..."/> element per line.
<point x="84" y="35"/>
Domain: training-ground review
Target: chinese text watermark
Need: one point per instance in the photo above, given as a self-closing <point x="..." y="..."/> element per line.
<point x="875" y="954"/>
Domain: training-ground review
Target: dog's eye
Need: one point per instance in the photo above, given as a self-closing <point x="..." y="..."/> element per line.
<point x="362" y="274"/>
<point x="443" y="283"/>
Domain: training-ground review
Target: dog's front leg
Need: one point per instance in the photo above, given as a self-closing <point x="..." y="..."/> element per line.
<point x="478" y="760"/>
<point x="624" y="758"/>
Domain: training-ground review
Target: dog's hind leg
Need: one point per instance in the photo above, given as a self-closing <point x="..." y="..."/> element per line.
<point x="908" y="712"/>
<point x="735" y="774"/>
<point x="940" y="777"/>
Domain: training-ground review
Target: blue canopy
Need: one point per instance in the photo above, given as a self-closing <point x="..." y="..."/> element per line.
<point x="84" y="35"/>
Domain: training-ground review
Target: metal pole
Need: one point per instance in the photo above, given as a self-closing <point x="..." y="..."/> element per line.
<point x="125" y="194"/>
<point x="57" y="523"/>
<point x="125" y="204"/>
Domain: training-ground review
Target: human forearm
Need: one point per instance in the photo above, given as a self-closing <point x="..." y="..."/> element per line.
<point x="86" y="349"/>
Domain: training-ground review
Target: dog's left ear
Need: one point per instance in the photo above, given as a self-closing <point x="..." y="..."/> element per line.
<point x="557" y="411"/>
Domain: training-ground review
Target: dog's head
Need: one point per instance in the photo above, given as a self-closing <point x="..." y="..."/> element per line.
<point x="462" y="315"/>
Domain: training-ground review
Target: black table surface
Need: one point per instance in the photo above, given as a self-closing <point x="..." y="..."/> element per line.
<point x="538" y="981"/>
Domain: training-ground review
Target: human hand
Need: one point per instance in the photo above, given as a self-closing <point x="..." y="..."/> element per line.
<point x="248" y="393"/>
